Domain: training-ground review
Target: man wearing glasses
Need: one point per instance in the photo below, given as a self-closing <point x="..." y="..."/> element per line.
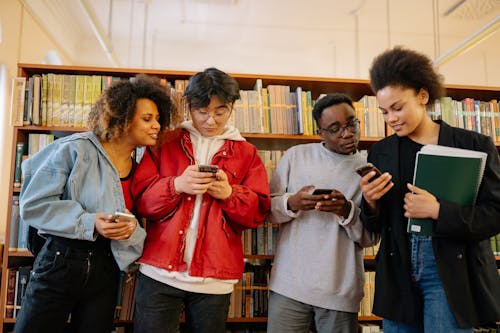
<point x="318" y="274"/>
<point x="199" y="191"/>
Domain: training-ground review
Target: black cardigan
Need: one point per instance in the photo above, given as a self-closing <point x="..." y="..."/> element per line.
<point x="465" y="261"/>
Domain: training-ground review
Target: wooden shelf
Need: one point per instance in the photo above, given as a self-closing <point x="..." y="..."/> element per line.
<point x="353" y="87"/>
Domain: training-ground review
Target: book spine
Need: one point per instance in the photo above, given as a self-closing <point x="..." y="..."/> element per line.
<point x="17" y="101"/>
<point x="19" y="158"/>
<point x="14" y="224"/>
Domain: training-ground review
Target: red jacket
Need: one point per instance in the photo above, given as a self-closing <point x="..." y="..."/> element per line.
<point x="218" y="252"/>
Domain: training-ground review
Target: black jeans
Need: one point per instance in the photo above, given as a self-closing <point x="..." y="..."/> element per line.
<point x="158" y="309"/>
<point x="71" y="279"/>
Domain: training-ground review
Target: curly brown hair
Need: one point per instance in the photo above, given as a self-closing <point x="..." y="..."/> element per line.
<point x="115" y="108"/>
<point x="406" y="68"/>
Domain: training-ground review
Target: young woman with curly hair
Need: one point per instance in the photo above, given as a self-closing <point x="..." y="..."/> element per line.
<point x="70" y="192"/>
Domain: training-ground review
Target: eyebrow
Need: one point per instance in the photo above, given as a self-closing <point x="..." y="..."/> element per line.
<point x="350" y="118"/>
<point x="390" y="106"/>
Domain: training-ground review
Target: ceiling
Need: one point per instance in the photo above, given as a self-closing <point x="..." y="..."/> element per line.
<point x="179" y="34"/>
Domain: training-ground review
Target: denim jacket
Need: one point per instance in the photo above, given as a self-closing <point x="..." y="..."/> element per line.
<point x="66" y="184"/>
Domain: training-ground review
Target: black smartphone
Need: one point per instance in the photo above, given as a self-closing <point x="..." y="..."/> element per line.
<point x="208" y="168"/>
<point x="322" y="191"/>
<point x="364" y="169"/>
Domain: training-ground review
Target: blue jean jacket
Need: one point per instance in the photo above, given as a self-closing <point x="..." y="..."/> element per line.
<point x="66" y="184"/>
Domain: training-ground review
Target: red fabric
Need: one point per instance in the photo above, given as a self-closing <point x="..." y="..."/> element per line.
<point x="126" y="188"/>
<point x="218" y="252"/>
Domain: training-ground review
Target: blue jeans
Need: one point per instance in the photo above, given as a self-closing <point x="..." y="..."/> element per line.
<point x="70" y="277"/>
<point x="158" y="308"/>
<point x="438" y="317"/>
<point x="291" y="316"/>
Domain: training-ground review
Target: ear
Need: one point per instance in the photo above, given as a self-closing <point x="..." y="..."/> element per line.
<point x="423" y="96"/>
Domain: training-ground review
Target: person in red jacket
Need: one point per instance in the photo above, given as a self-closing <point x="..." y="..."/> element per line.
<point x="193" y="252"/>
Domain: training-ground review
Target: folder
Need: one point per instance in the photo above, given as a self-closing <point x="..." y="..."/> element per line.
<point x="452" y="174"/>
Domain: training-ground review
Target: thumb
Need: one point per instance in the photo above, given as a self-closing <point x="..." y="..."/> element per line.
<point x="415" y="189"/>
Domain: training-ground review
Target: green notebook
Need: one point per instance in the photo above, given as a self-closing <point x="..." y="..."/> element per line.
<point x="448" y="173"/>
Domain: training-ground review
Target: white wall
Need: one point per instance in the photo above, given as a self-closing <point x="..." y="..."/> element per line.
<point x="23" y="41"/>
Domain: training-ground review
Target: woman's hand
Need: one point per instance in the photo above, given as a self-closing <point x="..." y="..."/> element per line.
<point x="376" y="189"/>
<point x="420" y="204"/>
<point x="114" y="229"/>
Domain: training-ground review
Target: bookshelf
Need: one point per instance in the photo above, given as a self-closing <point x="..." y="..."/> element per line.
<point x="353" y="87"/>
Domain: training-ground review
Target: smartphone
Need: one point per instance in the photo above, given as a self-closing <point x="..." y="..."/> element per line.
<point x="364" y="169"/>
<point x="322" y="191"/>
<point x="122" y="216"/>
<point x="208" y="168"/>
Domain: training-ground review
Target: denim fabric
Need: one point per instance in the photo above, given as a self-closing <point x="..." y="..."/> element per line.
<point x="66" y="184"/>
<point x="68" y="280"/>
<point x="158" y="308"/>
<point x="438" y="317"/>
<point x="289" y="316"/>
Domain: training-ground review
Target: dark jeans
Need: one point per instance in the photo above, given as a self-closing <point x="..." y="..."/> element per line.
<point x="70" y="277"/>
<point x="158" y="308"/>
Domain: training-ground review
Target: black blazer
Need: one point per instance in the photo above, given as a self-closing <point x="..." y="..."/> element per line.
<point x="464" y="257"/>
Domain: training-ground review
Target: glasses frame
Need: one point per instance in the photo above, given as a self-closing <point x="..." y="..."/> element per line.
<point x="352" y="125"/>
<point x="203" y="114"/>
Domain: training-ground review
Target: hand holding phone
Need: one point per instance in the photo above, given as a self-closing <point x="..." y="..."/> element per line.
<point x="208" y="168"/>
<point x="123" y="217"/>
<point x="321" y="191"/>
<point x="364" y="169"/>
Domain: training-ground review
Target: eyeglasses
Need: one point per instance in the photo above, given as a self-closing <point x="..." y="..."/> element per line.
<point x="352" y="126"/>
<point x="219" y="115"/>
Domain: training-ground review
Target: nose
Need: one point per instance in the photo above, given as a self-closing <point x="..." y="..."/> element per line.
<point x="210" y="119"/>
<point x="391" y="117"/>
<point x="156" y="124"/>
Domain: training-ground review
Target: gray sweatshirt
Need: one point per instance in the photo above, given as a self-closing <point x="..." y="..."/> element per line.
<point x="319" y="255"/>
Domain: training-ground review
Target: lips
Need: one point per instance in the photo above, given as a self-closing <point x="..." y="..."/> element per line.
<point x="397" y="127"/>
<point x="154" y="136"/>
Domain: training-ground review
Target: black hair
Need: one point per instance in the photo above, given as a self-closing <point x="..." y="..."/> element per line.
<point x="115" y="108"/>
<point x="211" y="82"/>
<point x="327" y="101"/>
<point x="406" y="68"/>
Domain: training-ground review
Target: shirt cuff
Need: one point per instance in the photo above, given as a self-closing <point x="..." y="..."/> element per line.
<point x="287" y="211"/>
<point x="345" y="221"/>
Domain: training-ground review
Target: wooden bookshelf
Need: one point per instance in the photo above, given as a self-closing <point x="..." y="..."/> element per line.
<point x="317" y="85"/>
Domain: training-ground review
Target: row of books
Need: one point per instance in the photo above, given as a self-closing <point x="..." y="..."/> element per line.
<point x="495" y="244"/>
<point x="66" y="99"/>
<point x="125" y="299"/>
<point x="17" y="281"/>
<point x="55" y="99"/>
<point x="36" y="142"/>
<point x="250" y="296"/>
<point x="469" y="113"/>
<point x="369" y="328"/>
<point x="260" y="240"/>
<point x="18" y="235"/>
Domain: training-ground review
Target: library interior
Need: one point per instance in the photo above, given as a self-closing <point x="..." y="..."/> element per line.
<point x="57" y="57"/>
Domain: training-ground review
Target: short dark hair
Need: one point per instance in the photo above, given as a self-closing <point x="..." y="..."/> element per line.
<point x="327" y="101"/>
<point x="115" y="108"/>
<point x="211" y="82"/>
<point x="406" y="68"/>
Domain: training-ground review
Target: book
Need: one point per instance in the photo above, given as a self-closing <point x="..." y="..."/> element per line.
<point x="20" y="147"/>
<point x="17" y="101"/>
<point x="452" y="174"/>
<point x="36" y="118"/>
<point x="14" y="223"/>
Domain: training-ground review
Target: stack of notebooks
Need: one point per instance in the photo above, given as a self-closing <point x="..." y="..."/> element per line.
<point x="451" y="174"/>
